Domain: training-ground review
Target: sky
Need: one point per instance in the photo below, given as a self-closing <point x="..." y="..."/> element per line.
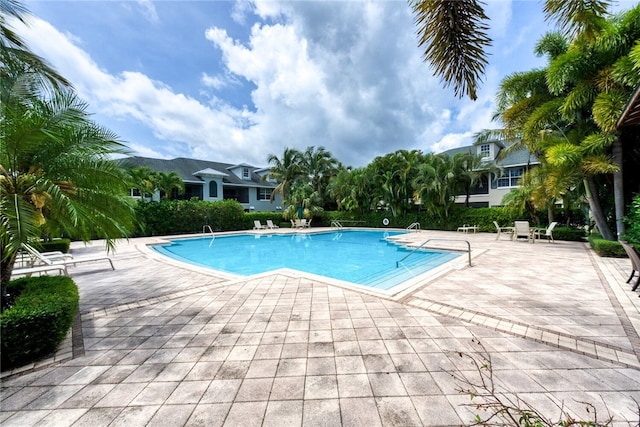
<point x="237" y="81"/>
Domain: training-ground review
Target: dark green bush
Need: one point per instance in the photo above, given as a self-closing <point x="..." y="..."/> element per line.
<point x="569" y="233"/>
<point x="606" y="248"/>
<point x="38" y="320"/>
<point x="185" y="216"/>
<point x="55" y="245"/>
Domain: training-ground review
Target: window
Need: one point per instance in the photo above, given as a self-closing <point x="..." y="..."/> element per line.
<point x="511" y="178"/>
<point x="264" y="193"/>
<point x="135" y="192"/>
<point x="485" y="151"/>
<point x="213" y="189"/>
<point x="245" y="173"/>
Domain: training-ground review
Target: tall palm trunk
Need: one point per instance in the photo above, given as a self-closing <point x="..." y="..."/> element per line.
<point x="591" y="189"/>
<point x="618" y="190"/>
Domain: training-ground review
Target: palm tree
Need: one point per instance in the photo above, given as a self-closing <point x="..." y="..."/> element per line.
<point x="436" y="184"/>
<point x="470" y="169"/>
<point x="56" y="174"/>
<point x="454" y="34"/>
<point x="144" y="179"/>
<point x="320" y="165"/>
<point x="14" y="53"/>
<point x="286" y="171"/>
<point x="166" y="182"/>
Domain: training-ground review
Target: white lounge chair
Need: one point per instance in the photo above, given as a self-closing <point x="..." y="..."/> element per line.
<point x="28" y="271"/>
<point x="271" y="225"/>
<point x="63" y="260"/>
<point x="521" y="229"/>
<point x="257" y="225"/>
<point x="503" y="230"/>
<point x="548" y="232"/>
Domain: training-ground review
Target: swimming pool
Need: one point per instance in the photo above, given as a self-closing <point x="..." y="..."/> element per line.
<point x="362" y="257"/>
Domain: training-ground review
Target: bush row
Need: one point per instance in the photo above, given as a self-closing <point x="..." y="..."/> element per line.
<point x="606" y="248"/>
<point x="38" y="320"/>
<point x="183" y="217"/>
<point x="61" y="245"/>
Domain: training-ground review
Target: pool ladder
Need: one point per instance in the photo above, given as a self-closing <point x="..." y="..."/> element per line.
<point x="430" y="240"/>
<point x="336" y="224"/>
<point x="415" y="226"/>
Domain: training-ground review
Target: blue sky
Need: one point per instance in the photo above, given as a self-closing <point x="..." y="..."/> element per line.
<point x="236" y="81"/>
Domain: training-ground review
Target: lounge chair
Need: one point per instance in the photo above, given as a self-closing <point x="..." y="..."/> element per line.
<point x="521" y="229"/>
<point x="257" y="225"/>
<point x="307" y="223"/>
<point x="635" y="263"/>
<point x="63" y="260"/>
<point x="28" y="271"/>
<point x="548" y="232"/>
<point x="271" y="225"/>
<point x="505" y="230"/>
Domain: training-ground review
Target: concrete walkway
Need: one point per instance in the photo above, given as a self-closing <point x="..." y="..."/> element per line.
<point x="160" y="343"/>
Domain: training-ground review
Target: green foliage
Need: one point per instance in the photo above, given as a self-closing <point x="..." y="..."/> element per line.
<point x="39" y="319"/>
<point x="632" y="222"/>
<point x="569" y="233"/>
<point x="61" y="245"/>
<point x="186" y="216"/>
<point x="606" y="248"/>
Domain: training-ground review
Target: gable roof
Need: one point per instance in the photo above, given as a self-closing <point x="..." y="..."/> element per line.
<point x="512" y="158"/>
<point x="187" y="168"/>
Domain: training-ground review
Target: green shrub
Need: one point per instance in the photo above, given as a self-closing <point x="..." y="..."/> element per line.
<point x="569" y="233"/>
<point x="186" y="216"/>
<point x="55" y="245"/>
<point x="606" y="248"/>
<point x="38" y="320"/>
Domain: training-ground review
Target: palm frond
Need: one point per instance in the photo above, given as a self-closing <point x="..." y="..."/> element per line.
<point x="577" y="17"/>
<point x="597" y="143"/>
<point x="601" y="164"/>
<point x="454" y="35"/>
<point x="607" y="109"/>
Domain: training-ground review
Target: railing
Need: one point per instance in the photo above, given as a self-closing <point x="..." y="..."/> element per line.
<point x="430" y="240"/>
<point x="414" y="226"/>
<point x="336" y="224"/>
<point x="207" y="228"/>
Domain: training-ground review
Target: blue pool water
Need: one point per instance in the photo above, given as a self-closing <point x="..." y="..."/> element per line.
<point x="361" y="257"/>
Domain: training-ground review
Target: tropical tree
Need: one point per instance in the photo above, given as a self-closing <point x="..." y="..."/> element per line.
<point x="393" y="174"/>
<point x="436" y="184"/>
<point x="286" y="171"/>
<point x="470" y="169"/>
<point x="454" y="34"/>
<point x="320" y="165"/>
<point x="56" y="173"/>
<point x="303" y="202"/>
<point x="166" y="182"/>
<point x="144" y="179"/>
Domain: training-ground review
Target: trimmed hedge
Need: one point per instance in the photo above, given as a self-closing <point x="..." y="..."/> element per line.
<point x="184" y="216"/>
<point x="569" y="233"/>
<point x="38" y="320"/>
<point x="606" y="248"/>
<point x="56" y="245"/>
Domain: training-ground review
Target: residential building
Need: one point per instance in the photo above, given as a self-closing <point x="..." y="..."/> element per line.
<point x="212" y="181"/>
<point x="494" y="186"/>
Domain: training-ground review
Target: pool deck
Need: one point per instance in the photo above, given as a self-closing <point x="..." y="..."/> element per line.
<point x="162" y="344"/>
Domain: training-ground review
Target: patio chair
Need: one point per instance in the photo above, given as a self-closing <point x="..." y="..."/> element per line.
<point x="505" y="230"/>
<point x="64" y="260"/>
<point x="271" y="225"/>
<point x="257" y="225"/>
<point x="635" y="263"/>
<point x="548" y="232"/>
<point x="521" y="229"/>
<point x="29" y="271"/>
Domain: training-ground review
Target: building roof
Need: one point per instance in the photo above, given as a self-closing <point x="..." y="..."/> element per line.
<point x="631" y="114"/>
<point x="510" y="158"/>
<point x="188" y="170"/>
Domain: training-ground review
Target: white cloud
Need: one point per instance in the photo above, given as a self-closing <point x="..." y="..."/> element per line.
<point x="344" y="75"/>
<point x="149" y="11"/>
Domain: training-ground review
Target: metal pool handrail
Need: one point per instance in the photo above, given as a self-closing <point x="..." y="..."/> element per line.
<point x="414" y="226"/>
<point x="430" y="240"/>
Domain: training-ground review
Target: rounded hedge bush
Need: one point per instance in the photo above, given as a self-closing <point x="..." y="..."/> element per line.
<point x="38" y="320"/>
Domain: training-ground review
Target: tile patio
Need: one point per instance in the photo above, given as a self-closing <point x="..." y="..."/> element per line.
<point x="159" y="343"/>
